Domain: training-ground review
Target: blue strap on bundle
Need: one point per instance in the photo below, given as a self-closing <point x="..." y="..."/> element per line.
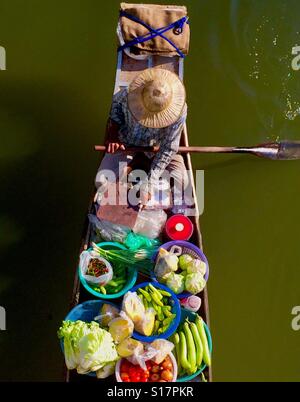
<point x="153" y="33"/>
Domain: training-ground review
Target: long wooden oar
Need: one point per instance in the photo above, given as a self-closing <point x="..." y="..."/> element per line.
<point x="283" y="150"/>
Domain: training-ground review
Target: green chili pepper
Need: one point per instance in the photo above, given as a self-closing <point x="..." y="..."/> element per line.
<point x="154" y="290"/>
<point x="156" y="299"/>
<point x="146" y="294"/>
<point x="164" y="293"/>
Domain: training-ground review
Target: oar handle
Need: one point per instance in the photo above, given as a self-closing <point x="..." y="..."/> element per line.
<point x="154" y="149"/>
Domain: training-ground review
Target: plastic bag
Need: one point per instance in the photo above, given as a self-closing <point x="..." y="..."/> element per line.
<point x="150" y="223"/>
<point x="107" y="314"/>
<point x="167" y="262"/>
<point x="108" y="231"/>
<point x="133" y="307"/>
<point x="121" y="327"/>
<point x="162" y="348"/>
<point x="136" y="241"/>
<point x="156" y="351"/>
<point x="146" y="324"/>
<point x="102" y="280"/>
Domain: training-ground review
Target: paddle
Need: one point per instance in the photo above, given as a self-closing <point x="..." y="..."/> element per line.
<point x="282" y="150"/>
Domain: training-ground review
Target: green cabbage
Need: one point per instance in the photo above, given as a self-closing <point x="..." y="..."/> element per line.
<point x="194" y="283"/>
<point x="87" y="347"/>
<point x="176" y="283"/>
<point x="184" y="261"/>
<point x="197" y="266"/>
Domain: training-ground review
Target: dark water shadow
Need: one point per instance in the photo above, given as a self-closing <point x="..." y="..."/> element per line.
<point x="40" y="196"/>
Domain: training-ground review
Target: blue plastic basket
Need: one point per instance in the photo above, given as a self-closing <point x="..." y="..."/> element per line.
<point x="175" y="310"/>
<point x="86" y="312"/>
<point x="192" y="316"/>
<point x="132" y="275"/>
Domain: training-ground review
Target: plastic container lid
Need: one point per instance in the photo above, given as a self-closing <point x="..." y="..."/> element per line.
<point x="179" y="227"/>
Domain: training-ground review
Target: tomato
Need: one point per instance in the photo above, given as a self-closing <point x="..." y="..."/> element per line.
<point x="136" y="378"/>
<point x="167" y="365"/>
<point x="154" y="377"/>
<point x="148" y="365"/>
<point x="167" y="375"/>
<point x="155" y="369"/>
<point x="124" y="376"/>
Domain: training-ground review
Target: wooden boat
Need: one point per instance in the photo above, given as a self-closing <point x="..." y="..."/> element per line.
<point x="128" y="66"/>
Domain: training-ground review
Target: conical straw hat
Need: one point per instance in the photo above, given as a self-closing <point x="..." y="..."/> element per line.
<point x="156" y="98"/>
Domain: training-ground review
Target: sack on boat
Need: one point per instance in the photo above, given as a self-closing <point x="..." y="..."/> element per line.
<point x="157" y="16"/>
<point x="150" y="223"/>
<point x="108" y="231"/>
<point x="84" y="261"/>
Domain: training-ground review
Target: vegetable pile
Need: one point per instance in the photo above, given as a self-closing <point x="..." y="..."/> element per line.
<point x="119" y="280"/>
<point x="154" y="372"/>
<point x="179" y="274"/>
<point x="191" y="347"/>
<point x="158" y="308"/>
<point x="88" y="348"/>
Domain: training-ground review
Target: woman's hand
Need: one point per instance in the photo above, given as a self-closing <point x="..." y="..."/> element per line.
<point x="113" y="144"/>
<point x="112" y="147"/>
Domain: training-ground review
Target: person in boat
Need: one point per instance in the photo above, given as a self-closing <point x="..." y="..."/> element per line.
<point x="150" y="112"/>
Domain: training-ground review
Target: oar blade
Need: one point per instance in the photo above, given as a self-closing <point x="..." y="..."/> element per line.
<point x="289" y="150"/>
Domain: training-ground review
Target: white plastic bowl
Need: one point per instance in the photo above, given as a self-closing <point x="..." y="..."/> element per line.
<point x="172" y="357"/>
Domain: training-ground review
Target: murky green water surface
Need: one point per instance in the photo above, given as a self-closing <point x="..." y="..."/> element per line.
<point x="54" y="100"/>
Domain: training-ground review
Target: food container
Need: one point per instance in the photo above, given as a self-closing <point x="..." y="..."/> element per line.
<point x="187" y="248"/>
<point x="192" y="316"/>
<point x="174" y="310"/>
<point x="179" y="227"/>
<point x="131" y="278"/>
<point x="173" y="360"/>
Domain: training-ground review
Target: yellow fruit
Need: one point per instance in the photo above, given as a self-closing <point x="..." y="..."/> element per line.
<point x="129" y="346"/>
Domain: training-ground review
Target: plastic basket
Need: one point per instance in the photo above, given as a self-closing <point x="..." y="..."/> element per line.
<point x="187" y="248"/>
<point x="175" y="310"/>
<point x="132" y="275"/>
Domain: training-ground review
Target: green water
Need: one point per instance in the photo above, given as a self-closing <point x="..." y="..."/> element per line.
<point x="54" y="100"/>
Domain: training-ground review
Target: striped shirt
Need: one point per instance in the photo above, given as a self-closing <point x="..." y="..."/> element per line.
<point x="132" y="133"/>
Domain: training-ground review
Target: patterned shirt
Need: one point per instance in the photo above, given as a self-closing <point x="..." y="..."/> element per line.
<point x="132" y="133"/>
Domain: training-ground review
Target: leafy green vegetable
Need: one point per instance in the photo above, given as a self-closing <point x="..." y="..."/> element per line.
<point x="175" y="282"/>
<point x="194" y="283"/>
<point x="87" y="347"/>
<point x="184" y="261"/>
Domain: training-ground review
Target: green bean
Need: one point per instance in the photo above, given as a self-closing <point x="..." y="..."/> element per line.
<point x="103" y="290"/>
<point x="198" y="343"/>
<point x="203" y="337"/>
<point x="183" y="352"/>
<point x="191" y="348"/>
